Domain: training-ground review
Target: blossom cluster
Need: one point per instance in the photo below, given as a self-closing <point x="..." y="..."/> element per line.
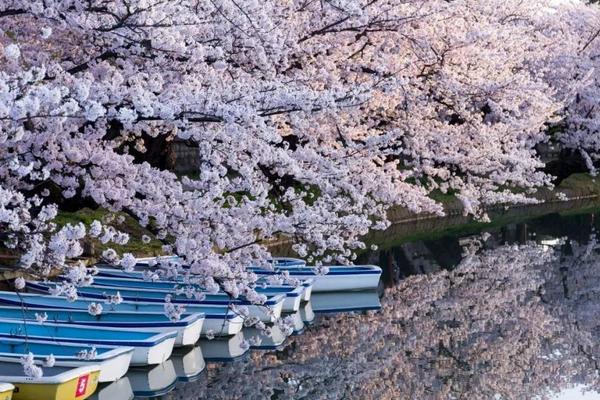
<point x="310" y="119"/>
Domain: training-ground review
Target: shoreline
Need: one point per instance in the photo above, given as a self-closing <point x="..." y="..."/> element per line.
<point x="582" y="190"/>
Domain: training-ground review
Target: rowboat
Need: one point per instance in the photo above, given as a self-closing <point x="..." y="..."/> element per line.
<point x="188" y="327"/>
<point x="113" y="361"/>
<point x="267" y="312"/>
<point x="117" y="390"/>
<point x="189" y="364"/>
<point x="287" y="262"/>
<point x="280" y="261"/>
<point x="153" y="382"/>
<point x="338" y="278"/>
<point x="148" y="260"/>
<point x="149" y="347"/>
<point x="58" y="383"/>
<point x="219" y="320"/>
<point x="345" y="302"/>
<point x="293" y="295"/>
<point x="113" y="275"/>
<point x="224" y="349"/>
<point x="6" y="391"/>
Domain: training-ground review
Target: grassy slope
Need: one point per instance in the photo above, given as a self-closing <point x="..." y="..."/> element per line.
<point x="129" y="226"/>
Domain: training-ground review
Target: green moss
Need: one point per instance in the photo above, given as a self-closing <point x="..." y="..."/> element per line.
<point x="129" y="226"/>
<point x="580" y="183"/>
<point x="85" y="215"/>
<point x="443" y="198"/>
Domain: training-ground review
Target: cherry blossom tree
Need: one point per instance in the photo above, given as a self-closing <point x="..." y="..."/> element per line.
<point x="310" y="119"/>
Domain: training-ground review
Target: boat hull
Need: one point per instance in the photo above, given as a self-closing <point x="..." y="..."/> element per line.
<point x="188" y="327"/>
<point x="308" y="291"/>
<point x="214" y="315"/>
<point x="186" y="336"/>
<point x="222" y="327"/>
<point x="292" y="304"/>
<point x="78" y="384"/>
<point x="346" y="282"/>
<point x="148" y="348"/>
<point x="113" y="361"/>
<point x="156" y="354"/>
<point x="342" y="279"/>
<point x="6" y="391"/>
<point x="111" y="369"/>
<point x="266" y="313"/>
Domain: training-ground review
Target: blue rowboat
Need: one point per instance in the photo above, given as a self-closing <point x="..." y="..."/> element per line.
<point x="293" y="295"/>
<point x="109" y="272"/>
<point x="338" y="278"/>
<point x="148" y="260"/>
<point x="149" y="347"/>
<point x="279" y="261"/>
<point x="113" y="361"/>
<point x="268" y="312"/>
<point x="288" y="262"/>
<point x="219" y="320"/>
<point x="188" y="327"/>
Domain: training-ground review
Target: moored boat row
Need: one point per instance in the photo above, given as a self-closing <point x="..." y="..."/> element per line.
<point x="324" y="279"/>
<point x="78" y="347"/>
<point x="219" y="320"/>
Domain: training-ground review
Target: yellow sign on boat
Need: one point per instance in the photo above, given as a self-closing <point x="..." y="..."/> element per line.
<point x="6" y="391"/>
<point x="75" y="384"/>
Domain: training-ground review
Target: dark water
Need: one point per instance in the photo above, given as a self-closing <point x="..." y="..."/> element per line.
<point x="509" y="313"/>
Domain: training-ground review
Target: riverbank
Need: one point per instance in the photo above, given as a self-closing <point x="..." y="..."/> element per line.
<point x="574" y="188"/>
<point x="581" y="190"/>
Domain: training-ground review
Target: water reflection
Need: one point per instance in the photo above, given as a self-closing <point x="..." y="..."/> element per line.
<point x="152" y="381"/>
<point x="188" y="363"/>
<point x="118" y="390"/>
<point x="224" y="349"/>
<point x="307" y="314"/>
<point x="518" y="319"/>
<point x="331" y="302"/>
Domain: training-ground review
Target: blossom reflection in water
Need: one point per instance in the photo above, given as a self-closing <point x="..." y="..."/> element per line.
<point x="512" y="322"/>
